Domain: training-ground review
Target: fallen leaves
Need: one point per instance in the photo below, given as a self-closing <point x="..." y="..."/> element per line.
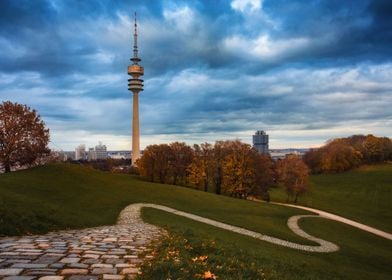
<point x="200" y="259"/>
<point x="209" y="275"/>
<point x="180" y="257"/>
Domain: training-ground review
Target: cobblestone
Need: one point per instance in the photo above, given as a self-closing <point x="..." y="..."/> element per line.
<point x="51" y="278"/>
<point x="104" y="271"/>
<point x="113" y="277"/>
<point x="10" y="271"/>
<point x="73" y="271"/>
<point x="19" y="278"/>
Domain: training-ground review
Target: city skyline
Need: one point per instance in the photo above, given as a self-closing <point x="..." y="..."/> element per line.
<point x="305" y="71"/>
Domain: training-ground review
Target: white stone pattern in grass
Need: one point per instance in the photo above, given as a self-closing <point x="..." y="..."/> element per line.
<point x="109" y="252"/>
<point x="323" y="247"/>
<point x="339" y="219"/>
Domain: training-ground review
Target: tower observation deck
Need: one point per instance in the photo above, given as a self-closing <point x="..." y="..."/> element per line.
<point x="135" y="84"/>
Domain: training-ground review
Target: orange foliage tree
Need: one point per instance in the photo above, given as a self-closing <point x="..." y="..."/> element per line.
<point x="342" y="154"/>
<point x="338" y="156"/>
<point x="239" y="172"/>
<point x="220" y="151"/>
<point x="265" y="175"/>
<point x="154" y="164"/>
<point x="200" y="171"/>
<point x="23" y="135"/>
<point x="376" y="149"/>
<point x="293" y="173"/>
<point x="181" y="158"/>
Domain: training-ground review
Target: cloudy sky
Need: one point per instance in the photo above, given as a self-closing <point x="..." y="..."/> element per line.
<point x="303" y="70"/>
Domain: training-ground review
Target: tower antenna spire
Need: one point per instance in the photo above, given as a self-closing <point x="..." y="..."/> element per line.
<point x="135" y="58"/>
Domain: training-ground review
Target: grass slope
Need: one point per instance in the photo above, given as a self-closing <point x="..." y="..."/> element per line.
<point x="364" y="195"/>
<point x="69" y="196"/>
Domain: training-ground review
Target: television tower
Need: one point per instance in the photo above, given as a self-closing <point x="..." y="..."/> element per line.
<point x="135" y="84"/>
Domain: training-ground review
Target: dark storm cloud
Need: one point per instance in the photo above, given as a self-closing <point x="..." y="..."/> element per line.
<point x="344" y="31"/>
<point x="210" y="66"/>
<point x="304" y="98"/>
<point x="337" y="33"/>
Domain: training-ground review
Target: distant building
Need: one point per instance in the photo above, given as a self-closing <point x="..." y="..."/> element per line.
<point x="62" y="156"/>
<point x="282" y="153"/>
<point x="260" y="141"/>
<point x="91" y="154"/>
<point x="70" y="155"/>
<point x="80" y="152"/>
<point x="119" y="154"/>
<point x="101" y="151"/>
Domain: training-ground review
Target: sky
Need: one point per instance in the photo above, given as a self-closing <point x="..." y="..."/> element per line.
<point x="305" y="71"/>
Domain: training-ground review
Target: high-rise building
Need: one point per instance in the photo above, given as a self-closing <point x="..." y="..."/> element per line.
<point x="91" y="154"/>
<point x="260" y="141"/>
<point x="135" y="84"/>
<point x="101" y="151"/>
<point x="80" y="152"/>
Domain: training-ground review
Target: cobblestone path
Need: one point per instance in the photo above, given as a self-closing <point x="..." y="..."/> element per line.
<point x="109" y="252"/>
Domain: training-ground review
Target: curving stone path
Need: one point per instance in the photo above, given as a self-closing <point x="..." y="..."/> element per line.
<point x="323" y="247"/>
<point x="108" y="252"/>
<point x="337" y="218"/>
<point x="111" y="252"/>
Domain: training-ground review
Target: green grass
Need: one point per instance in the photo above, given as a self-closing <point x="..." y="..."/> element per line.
<point x="69" y="196"/>
<point x="361" y="255"/>
<point x="186" y="256"/>
<point x="364" y="195"/>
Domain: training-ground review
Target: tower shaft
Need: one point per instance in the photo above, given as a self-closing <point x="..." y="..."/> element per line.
<point x="135" y="128"/>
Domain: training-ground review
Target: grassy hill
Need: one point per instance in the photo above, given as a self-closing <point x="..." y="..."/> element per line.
<point x="69" y="196"/>
<point x="364" y="195"/>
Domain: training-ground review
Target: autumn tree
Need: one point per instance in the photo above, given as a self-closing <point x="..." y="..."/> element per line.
<point x="338" y="156"/>
<point x="220" y="151"/>
<point x="196" y="175"/>
<point x="342" y="154"/>
<point x="154" y="163"/>
<point x="239" y="172"/>
<point x="180" y="158"/>
<point x="201" y="169"/>
<point x="23" y="135"/>
<point x="376" y="149"/>
<point x="312" y="158"/>
<point x="265" y="175"/>
<point x="162" y="166"/>
<point x="355" y="141"/>
<point x="146" y="164"/>
<point x="294" y="175"/>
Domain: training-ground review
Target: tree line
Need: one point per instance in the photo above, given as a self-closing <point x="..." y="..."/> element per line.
<point x="227" y="167"/>
<point x="343" y="154"/>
